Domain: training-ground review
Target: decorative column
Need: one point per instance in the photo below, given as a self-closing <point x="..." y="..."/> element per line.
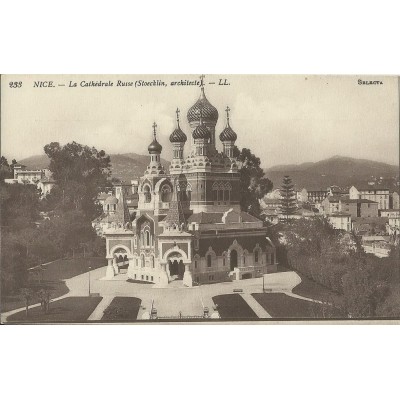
<point x="164" y="280"/>
<point x="130" y="268"/>
<point x="187" y="276"/>
<point x="115" y="266"/>
<point x="110" y="273"/>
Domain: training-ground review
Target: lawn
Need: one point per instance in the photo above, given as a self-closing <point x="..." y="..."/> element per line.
<point x="70" y="309"/>
<point x="122" y="309"/>
<point x="280" y="305"/>
<point x="52" y="279"/>
<point x="232" y="306"/>
<point x="313" y="290"/>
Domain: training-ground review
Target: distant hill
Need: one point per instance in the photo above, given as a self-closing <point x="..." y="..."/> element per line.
<point x="36" y="162"/>
<point x="131" y="165"/>
<point x="341" y="171"/>
<point x="123" y="166"/>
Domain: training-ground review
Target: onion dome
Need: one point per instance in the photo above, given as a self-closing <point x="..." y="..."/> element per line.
<point x="111" y="200"/>
<point x="228" y="134"/>
<point x="177" y="136"/>
<point x="154" y="147"/>
<point x="209" y="112"/>
<point x="201" y="131"/>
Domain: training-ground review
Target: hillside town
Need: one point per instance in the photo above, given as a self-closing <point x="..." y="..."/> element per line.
<point x="371" y="212"/>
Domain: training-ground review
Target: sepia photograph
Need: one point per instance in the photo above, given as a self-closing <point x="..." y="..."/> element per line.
<point x="199" y="199"/>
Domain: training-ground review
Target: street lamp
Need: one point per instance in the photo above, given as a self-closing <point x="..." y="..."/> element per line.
<point x="89" y="278"/>
<point x="263" y="281"/>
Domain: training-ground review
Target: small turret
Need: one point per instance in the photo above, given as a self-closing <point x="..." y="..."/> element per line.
<point x="228" y="137"/>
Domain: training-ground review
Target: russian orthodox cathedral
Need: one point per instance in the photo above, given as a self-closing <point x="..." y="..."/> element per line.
<point x="186" y="224"/>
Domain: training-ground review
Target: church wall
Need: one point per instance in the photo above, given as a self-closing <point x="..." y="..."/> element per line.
<point x="114" y="242"/>
<point x="183" y="246"/>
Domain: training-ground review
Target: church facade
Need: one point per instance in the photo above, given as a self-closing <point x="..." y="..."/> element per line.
<point x="188" y="225"/>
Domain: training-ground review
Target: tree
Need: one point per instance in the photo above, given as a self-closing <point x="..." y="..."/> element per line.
<point x="44" y="296"/>
<point x="253" y="183"/>
<point x="27" y="294"/>
<point x="6" y="170"/>
<point x="288" y="197"/>
<point x="79" y="172"/>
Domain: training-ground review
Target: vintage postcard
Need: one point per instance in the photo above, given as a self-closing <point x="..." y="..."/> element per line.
<point x="207" y="199"/>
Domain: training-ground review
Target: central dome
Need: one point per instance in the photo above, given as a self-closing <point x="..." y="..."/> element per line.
<point x="204" y="109"/>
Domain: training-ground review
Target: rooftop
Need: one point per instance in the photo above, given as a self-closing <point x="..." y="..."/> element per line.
<point x="369" y="188"/>
<point x="220" y="218"/>
<point x="359" y="201"/>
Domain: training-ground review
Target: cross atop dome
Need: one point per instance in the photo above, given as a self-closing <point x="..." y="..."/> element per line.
<point x="154" y="130"/>
<point x="177" y="115"/>
<point x="227" y="109"/>
<point x="202" y="81"/>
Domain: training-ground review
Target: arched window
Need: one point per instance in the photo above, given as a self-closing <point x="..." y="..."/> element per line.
<point x="147" y="194"/>
<point x="143" y="262"/>
<point x="209" y="261"/>
<point x="166" y="194"/>
<point x="215" y="191"/>
<point x="256" y="256"/>
<point x="227" y="192"/>
<point x="152" y="262"/>
<point x="147" y="237"/>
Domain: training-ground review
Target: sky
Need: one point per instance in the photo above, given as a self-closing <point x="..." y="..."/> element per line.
<point x="283" y="119"/>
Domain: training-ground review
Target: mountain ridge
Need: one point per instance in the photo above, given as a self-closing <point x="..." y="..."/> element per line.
<point x="337" y="170"/>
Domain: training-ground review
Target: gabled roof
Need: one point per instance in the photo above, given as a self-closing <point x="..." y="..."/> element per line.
<point x="206" y="218"/>
<point x="175" y="215"/>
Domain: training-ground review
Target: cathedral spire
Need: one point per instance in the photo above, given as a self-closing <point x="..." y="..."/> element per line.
<point x="175" y="216"/>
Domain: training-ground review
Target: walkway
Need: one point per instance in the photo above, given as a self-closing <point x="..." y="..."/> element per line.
<point x="255" y="306"/>
<point x="97" y="314"/>
<point x="172" y="300"/>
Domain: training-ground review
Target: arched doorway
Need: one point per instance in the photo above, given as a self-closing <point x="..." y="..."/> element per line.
<point x="118" y="261"/>
<point x="176" y="269"/>
<point x="234" y="259"/>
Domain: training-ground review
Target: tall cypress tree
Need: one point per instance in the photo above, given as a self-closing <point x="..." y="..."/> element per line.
<point x="288" y="197"/>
